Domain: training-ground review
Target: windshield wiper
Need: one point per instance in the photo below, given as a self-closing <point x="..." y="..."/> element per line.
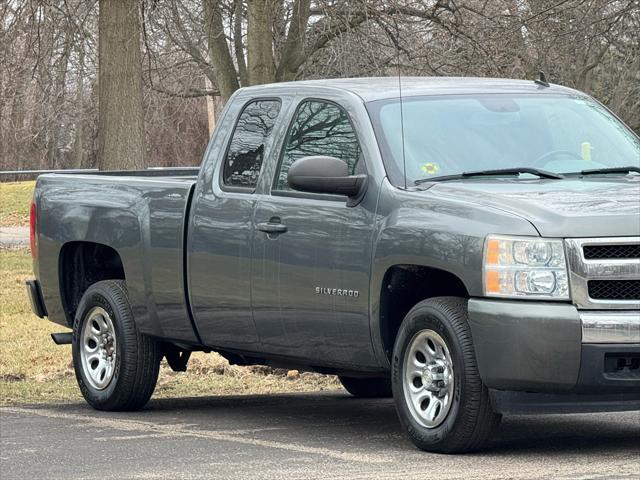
<point x="493" y="173"/>
<point x="597" y="171"/>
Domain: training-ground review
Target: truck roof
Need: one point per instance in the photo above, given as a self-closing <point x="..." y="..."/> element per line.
<point x="379" y="88"/>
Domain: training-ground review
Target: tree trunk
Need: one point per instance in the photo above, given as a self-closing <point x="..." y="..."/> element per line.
<point x="260" y="42"/>
<point x="238" y="44"/>
<point x="55" y="157"/>
<point x="120" y="107"/>
<point x="294" y="56"/>
<point x="78" y="144"/>
<point x="219" y="56"/>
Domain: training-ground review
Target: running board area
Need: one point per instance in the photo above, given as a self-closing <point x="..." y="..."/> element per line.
<point x="62" y="338"/>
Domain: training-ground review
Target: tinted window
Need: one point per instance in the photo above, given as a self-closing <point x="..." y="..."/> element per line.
<point x="246" y="149"/>
<point x="319" y="128"/>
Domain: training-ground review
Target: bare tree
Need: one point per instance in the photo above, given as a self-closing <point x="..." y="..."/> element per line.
<point x="198" y="52"/>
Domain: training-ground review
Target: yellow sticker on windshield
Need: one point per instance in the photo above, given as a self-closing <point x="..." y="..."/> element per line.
<point x="586" y="151"/>
<point x="430" y="168"/>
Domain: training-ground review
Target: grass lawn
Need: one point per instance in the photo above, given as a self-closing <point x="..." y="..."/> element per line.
<point x="15" y="202"/>
<point x="34" y="370"/>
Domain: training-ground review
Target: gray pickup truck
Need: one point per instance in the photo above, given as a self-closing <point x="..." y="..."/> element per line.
<point x="471" y="247"/>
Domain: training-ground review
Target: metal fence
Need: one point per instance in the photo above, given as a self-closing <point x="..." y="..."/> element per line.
<point x="17" y="175"/>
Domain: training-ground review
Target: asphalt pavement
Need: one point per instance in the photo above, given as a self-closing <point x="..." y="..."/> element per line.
<point x="321" y="435"/>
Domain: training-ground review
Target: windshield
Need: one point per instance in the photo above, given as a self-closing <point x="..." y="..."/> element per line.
<point x="448" y="135"/>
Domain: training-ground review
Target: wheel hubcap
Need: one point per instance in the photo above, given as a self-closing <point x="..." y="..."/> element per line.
<point x="428" y="378"/>
<point x="98" y="348"/>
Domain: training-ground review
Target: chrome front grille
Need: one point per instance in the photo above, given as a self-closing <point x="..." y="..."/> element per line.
<point x="614" y="289"/>
<point x="610" y="252"/>
<point x="604" y="273"/>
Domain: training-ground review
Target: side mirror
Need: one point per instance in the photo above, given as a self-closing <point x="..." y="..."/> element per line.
<point x="319" y="174"/>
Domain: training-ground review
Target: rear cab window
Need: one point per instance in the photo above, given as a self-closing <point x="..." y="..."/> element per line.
<point x="251" y="136"/>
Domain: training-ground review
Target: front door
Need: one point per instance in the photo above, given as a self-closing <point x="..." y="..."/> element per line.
<point x="312" y="252"/>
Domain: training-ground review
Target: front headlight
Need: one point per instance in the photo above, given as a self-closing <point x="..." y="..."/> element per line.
<point x="527" y="267"/>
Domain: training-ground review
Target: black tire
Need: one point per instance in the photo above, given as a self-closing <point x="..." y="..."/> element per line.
<point x="470" y="420"/>
<point x="137" y="360"/>
<point x="367" y="387"/>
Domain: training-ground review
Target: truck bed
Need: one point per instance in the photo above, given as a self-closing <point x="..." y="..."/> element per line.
<point x="143" y="218"/>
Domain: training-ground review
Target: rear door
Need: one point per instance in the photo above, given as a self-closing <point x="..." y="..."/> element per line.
<point x="221" y="228"/>
<point x="312" y="252"/>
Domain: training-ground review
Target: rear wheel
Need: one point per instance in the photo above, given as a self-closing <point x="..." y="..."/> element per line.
<point x="367" y="387"/>
<point x="441" y="400"/>
<point x="116" y="366"/>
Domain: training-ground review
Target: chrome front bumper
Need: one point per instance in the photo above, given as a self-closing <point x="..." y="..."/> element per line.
<point x="610" y="326"/>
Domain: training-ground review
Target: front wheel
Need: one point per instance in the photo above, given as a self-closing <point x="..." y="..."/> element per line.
<point x="441" y="401"/>
<point x="116" y="366"/>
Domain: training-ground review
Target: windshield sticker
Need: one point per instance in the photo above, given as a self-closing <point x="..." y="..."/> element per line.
<point x="430" y="168"/>
<point x="586" y="151"/>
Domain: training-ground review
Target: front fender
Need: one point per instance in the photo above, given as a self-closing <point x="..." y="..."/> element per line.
<point x="421" y="229"/>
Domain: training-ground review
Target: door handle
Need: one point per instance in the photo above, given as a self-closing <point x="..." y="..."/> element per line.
<point x="272" y="227"/>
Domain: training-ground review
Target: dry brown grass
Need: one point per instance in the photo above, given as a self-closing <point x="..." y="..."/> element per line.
<point x="34" y="370"/>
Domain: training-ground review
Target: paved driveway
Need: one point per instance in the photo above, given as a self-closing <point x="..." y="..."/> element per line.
<point x="11" y="237"/>
<point x="324" y="436"/>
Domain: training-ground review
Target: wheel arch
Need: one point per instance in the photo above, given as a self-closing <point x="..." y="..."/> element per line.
<point x="80" y="265"/>
<point x="402" y="287"/>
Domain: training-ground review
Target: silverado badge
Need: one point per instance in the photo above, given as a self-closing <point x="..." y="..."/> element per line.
<point x="338" y="292"/>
